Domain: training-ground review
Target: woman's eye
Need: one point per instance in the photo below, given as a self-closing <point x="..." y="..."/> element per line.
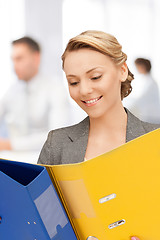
<point x="97" y="77"/>
<point x="73" y="83"/>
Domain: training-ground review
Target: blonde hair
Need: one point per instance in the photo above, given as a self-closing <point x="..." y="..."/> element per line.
<point x="105" y="44"/>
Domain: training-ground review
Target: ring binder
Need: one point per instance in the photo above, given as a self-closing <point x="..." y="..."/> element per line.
<point x="29" y="205"/>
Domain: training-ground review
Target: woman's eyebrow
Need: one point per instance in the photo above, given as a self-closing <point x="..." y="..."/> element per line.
<point x="72" y="75"/>
<point x="91" y="70"/>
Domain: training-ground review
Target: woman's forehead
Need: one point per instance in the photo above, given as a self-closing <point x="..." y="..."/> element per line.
<point x="85" y="59"/>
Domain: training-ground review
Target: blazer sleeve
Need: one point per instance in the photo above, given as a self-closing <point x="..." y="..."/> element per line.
<point x="51" y="151"/>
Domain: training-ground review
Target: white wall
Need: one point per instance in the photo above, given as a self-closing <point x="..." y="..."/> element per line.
<point x="12" y="25"/>
<point x="43" y="21"/>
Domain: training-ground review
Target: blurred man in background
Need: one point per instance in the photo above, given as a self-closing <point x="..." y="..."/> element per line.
<point x="34" y="105"/>
<point x="144" y="99"/>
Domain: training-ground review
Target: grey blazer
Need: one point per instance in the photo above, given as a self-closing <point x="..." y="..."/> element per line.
<point x="68" y="145"/>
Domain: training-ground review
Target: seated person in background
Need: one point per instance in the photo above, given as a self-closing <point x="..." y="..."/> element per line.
<point x="98" y="80"/>
<point x="34" y="104"/>
<point x="144" y="100"/>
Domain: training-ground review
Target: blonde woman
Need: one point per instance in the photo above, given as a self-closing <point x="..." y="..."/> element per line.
<point x="98" y="80"/>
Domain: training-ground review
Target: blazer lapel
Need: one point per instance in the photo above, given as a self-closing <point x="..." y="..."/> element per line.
<point x="74" y="150"/>
<point x="134" y="127"/>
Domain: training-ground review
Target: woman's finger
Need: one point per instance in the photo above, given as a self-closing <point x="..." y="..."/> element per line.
<point x="135" y="238"/>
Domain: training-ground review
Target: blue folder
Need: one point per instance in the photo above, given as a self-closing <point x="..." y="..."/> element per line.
<point x="30" y="208"/>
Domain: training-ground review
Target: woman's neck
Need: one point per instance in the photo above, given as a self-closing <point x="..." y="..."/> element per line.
<point x="113" y="120"/>
<point x="106" y="133"/>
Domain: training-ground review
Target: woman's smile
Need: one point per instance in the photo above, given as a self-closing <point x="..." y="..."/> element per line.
<point x="91" y="102"/>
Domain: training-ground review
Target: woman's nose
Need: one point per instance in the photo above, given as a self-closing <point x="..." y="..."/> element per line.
<point x="85" y="87"/>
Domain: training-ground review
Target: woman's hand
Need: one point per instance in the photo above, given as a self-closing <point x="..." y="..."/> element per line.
<point x="135" y="238"/>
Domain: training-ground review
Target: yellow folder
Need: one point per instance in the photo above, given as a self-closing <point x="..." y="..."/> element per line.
<point x="115" y="195"/>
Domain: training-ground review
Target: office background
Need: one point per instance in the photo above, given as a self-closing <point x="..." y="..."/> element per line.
<point x="52" y="22"/>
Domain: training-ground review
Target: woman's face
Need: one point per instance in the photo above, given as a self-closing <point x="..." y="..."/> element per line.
<point x="94" y="81"/>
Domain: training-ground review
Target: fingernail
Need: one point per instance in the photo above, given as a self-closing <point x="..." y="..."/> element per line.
<point x="133" y="238"/>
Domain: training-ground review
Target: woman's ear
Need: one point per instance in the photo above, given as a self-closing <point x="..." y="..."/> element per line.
<point x="124" y="72"/>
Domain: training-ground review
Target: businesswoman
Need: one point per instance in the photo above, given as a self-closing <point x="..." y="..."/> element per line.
<point x="98" y="80"/>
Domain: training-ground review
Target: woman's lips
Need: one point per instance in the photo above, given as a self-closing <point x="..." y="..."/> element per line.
<point x="92" y="101"/>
